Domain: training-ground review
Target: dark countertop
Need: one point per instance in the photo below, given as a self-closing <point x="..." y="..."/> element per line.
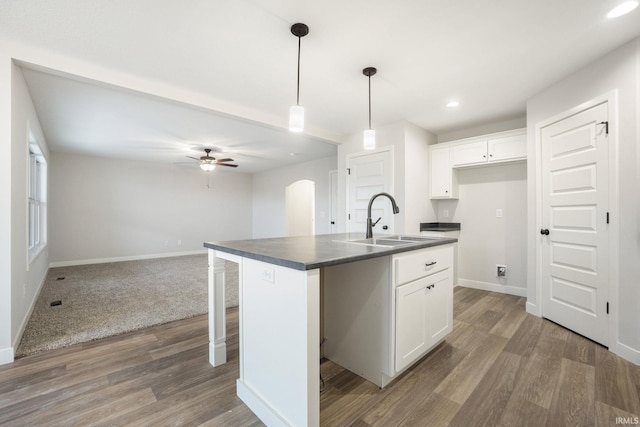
<point x="310" y="252"/>
<point x="439" y="226"/>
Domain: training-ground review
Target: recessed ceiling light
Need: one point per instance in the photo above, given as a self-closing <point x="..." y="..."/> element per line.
<point x="453" y="104"/>
<point x="622" y="9"/>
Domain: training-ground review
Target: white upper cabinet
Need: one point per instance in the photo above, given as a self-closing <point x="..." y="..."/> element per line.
<point x="445" y="158"/>
<point x="508" y="148"/>
<point x="442" y="184"/>
<point x="470" y="153"/>
<point x="490" y="150"/>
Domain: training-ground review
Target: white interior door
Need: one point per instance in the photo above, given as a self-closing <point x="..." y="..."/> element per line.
<point x="368" y="174"/>
<point x="333" y="200"/>
<point x="300" y="205"/>
<point x="575" y="233"/>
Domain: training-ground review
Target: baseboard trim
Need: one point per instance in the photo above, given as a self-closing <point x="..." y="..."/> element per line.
<point x="124" y="258"/>
<point x="533" y="309"/>
<point x="32" y="306"/>
<point x="262" y="409"/>
<point x="493" y="287"/>
<point x="6" y="355"/>
<point x="626" y="352"/>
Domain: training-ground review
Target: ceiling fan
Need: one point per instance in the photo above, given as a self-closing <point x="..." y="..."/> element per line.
<point x="209" y="163"/>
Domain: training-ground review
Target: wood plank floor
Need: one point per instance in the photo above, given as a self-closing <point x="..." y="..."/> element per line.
<point x="499" y="367"/>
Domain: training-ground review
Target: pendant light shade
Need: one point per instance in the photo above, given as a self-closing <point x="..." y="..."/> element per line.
<point x="296" y="113"/>
<point x="369" y="134"/>
<point x="207" y="167"/>
<point x="296" y="118"/>
<point x="369" y="139"/>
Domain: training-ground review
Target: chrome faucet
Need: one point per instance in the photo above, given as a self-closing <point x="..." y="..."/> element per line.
<point x="370" y="223"/>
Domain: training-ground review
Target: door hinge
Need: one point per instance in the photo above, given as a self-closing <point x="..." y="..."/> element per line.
<point x="349" y="217"/>
<point x="607" y="307"/>
<point x="607" y="217"/>
<point x="348" y="171"/>
<point x="606" y="127"/>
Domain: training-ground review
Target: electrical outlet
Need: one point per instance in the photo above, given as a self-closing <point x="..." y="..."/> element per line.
<point x="179" y="242"/>
<point x="445" y="213"/>
<point x="268" y="275"/>
<point x="501" y="270"/>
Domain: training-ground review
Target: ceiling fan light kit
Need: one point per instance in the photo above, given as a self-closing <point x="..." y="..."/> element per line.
<point x="369" y="134"/>
<point x="209" y="163"/>
<point x="296" y="113"/>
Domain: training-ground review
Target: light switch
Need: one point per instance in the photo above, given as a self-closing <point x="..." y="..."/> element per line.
<point x="498" y="213"/>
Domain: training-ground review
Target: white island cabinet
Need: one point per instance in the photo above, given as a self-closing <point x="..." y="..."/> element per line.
<point x="383" y="308"/>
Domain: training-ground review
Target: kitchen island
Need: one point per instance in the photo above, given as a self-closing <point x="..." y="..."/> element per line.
<point x="381" y="304"/>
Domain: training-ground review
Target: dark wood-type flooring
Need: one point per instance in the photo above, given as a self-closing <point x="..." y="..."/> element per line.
<point x="499" y="367"/>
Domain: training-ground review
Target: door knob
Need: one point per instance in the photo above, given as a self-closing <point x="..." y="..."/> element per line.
<point x="544" y="231"/>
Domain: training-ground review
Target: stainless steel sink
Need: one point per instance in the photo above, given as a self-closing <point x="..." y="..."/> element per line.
<point x="394" y="240"/>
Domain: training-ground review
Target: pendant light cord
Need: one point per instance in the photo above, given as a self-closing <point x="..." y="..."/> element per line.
<point x="298" y="87"/>
<point x="369" y="101"/>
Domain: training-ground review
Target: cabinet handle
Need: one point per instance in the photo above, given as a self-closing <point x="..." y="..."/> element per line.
<point x="429" y="264"/>
<point x="431" y="286"/>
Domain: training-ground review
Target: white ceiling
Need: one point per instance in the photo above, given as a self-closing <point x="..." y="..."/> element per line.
<point x="95" y="119"/>
<point x="490" y="55"/>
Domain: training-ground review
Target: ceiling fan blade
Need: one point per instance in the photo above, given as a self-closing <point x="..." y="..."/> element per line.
<point x="194" y="158"/>
<point x="225" y="160"/>
<point x="226" y="164"/>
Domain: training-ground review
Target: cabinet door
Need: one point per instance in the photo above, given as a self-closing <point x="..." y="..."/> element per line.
<point x="411" y="322"/>
<point x="469" y="153"/>
<point x="508" y="148"/>
<point x="440" y="173"/>
<point x="439" y="309"/>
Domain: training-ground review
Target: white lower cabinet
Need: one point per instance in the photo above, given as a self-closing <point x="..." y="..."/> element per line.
<point x="423" y="314"/>
<point x="381" y="315"/>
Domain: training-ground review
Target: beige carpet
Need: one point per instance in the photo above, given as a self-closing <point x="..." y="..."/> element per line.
<point x="100" y="300"/>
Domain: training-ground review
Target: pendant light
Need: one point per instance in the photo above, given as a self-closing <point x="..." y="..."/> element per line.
<point x="296" y="113"/>
<point x="369" y="134"/>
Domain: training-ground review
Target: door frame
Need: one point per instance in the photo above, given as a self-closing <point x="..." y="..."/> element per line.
<point x="611" y="98"/>
<point x="349" y="159"/>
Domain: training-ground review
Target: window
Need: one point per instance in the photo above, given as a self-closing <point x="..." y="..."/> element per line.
<point x="37" y="193"/>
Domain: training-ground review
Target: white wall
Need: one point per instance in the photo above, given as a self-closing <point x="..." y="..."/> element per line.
<point x="102" y="209"/>
<point x="417" y="205"/>
<point x="410" y="173"/>
<point x="484" y="129"/>
<point x="26" y="278"/>
<point x="269" y="196"/>
<point x="486" y="240"/>
<point x="6" y="343"/>
<point x="619" y="70"/>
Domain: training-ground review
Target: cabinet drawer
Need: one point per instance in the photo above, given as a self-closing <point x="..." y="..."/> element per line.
<point x="413" y="265"/>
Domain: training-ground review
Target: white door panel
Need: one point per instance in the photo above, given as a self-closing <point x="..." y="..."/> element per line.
<point x="369" y="174"/>
<point x="575" y="258"/>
